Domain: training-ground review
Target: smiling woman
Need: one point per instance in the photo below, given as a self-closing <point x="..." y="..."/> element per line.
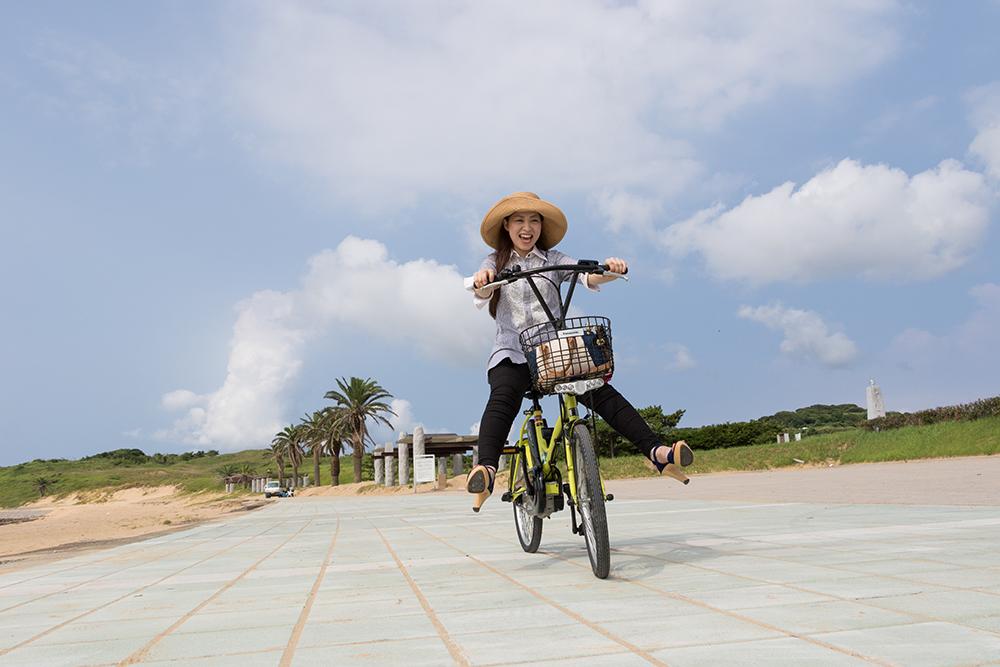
<point x="523" y="227"/>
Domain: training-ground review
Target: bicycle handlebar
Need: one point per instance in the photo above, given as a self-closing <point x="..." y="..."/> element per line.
<point x="515" y="273"/>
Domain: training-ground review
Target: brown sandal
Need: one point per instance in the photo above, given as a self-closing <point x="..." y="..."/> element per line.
<point x="480" y="482"/>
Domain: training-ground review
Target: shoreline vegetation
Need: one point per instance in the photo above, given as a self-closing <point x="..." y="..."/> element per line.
<point x="962" y="433"/>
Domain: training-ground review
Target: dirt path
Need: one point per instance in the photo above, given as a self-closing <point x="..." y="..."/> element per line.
<point x="973" y="480"/>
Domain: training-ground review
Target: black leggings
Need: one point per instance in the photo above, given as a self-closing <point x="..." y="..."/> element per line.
<point x="509" y="382"/>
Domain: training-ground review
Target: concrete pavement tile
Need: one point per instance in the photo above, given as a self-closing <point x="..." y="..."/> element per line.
<point x="81" y="632"/>
<point x="625" y="659"/>
<point x="867" y="587"/>
<point x="108" y="650"/>
<point x="335" y="608"/>
<point x="772" y="652"/>
<point x="530" y="644"/>
<point x="502" y="619"/>
<point x="944" y="605"/>
<point x="184" y="645"/>
<point x="429" y="651"/>
<point x="598" y="610"/>
<point x="990" y="623"/>
<point x="262" y="616"/>
<point x="748" y="597"/>
<point x="257" y="659"/>
<point x="828" y="616"/>
<point x="899" y="567"/>
<point x="12" y="635"/>
<point x="653" y="632"/>
<point x="920" y="644"/>
<point x="961" y="578"/>
<point x="324" y="633"/>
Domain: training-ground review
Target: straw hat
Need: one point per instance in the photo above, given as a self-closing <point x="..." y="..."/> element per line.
<point x="553" y="220"/>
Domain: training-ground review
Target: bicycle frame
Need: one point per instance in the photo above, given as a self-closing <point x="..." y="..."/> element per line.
<point x="539" y="452"/>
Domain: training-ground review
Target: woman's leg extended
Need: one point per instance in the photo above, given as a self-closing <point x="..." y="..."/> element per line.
<point x="622" y="417"/>
<point x="508" y="382"/>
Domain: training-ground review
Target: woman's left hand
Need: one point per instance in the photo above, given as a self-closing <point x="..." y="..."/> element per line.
<point x="616" y="264"/>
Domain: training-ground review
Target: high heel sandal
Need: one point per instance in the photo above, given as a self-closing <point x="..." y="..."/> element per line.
<point x="679" y="453"/>
<point x="480" y="482"/>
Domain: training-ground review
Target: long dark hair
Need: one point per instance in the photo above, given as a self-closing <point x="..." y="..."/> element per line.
<point x="501" y="257"/>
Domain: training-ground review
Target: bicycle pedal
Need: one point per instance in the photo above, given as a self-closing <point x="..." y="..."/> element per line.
<point x="610" y="496"/>
<point x="506" y="497"/>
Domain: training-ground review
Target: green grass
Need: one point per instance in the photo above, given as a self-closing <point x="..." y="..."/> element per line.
<point x="17" y="483"/>
<point x="851" y="446"/>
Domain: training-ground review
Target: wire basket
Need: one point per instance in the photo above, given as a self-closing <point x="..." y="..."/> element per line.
<point x="579" y="351"/>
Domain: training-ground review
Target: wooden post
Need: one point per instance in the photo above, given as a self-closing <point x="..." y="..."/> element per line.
<point x="457" y="464"/>
<point x="475" y="455"/>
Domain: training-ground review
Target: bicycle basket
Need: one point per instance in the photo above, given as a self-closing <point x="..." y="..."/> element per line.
<point x="580" y="351"/>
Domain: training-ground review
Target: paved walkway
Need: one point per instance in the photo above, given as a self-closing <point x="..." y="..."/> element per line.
<point x="424" y="581"/>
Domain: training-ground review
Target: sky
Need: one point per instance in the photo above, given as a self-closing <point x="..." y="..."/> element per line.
<point x="209" y="213"/>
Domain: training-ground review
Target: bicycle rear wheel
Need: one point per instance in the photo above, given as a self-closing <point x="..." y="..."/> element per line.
<point x="528" y="526"/>
<point x="590" y="502"/>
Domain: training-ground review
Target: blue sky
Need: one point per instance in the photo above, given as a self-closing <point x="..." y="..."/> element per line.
<point x="206" y="217"/>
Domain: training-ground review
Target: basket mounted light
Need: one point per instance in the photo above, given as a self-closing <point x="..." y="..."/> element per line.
<point x="578" y="387"/>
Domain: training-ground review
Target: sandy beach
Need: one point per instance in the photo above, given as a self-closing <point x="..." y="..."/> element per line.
<point x="55" y="528"/>
<point x="96" y="519"/>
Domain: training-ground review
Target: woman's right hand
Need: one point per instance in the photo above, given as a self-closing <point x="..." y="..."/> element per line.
<point x="484" y="277"/>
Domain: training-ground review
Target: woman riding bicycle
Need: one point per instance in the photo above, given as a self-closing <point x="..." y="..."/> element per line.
<point x="523" y="229"/>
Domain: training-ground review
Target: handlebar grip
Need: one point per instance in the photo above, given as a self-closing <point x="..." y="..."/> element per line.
<point x="605" y="267"/>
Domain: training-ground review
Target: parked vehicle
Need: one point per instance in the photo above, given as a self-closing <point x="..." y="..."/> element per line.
<point x="274" y="488"/>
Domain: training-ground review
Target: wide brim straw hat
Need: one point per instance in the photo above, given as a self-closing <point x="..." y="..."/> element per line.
<point x="554" y="223"/>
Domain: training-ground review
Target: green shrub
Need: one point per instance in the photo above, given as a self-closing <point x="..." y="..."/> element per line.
<point x="984" y="407"/>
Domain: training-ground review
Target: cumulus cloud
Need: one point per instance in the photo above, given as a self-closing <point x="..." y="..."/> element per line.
<point x="870" y="221"/>
<point x="384" y="103"/>
<point x="971" y="345"/>
<point x="629" y="212"/>
<point x="680" y="357"/>
<point x="985" y="106"/>
<point x="420" y="304"/>
<point x="806" y="335"/>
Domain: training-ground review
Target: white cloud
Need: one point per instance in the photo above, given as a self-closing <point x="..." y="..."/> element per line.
<point x="872" y="221"/>
<point x="805" y="334"/>
<point x="627" y="212"/>
<point x="181" y="399"/>
<point x="681" y="357"/>
<point x="985" y="105"/>
<point x="418" y="304"/>
<point x="970" y="345"/>
<point x="384" y="103"/>
<point x="403" y="421"/>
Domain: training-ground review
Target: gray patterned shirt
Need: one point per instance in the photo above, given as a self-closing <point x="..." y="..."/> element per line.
<point x="518" y="308"/>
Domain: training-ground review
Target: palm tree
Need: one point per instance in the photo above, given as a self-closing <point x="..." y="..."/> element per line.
<point x="337" y="433"/>
<point x="289" y="441"/>
<point x="42" y="484"/>
<point x="315" y="438"/>
<point x="277" y="453"/>
<point x="360" y="400"/>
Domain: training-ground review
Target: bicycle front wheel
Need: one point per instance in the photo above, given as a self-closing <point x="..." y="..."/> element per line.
<point x="590" y="502"/>
<point x="527" y="524"/>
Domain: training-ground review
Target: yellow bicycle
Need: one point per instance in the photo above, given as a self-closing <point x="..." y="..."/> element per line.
<point x="567" y="357"/>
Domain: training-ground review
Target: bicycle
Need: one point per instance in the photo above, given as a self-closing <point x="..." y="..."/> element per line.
<point x="567" y="356"/>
